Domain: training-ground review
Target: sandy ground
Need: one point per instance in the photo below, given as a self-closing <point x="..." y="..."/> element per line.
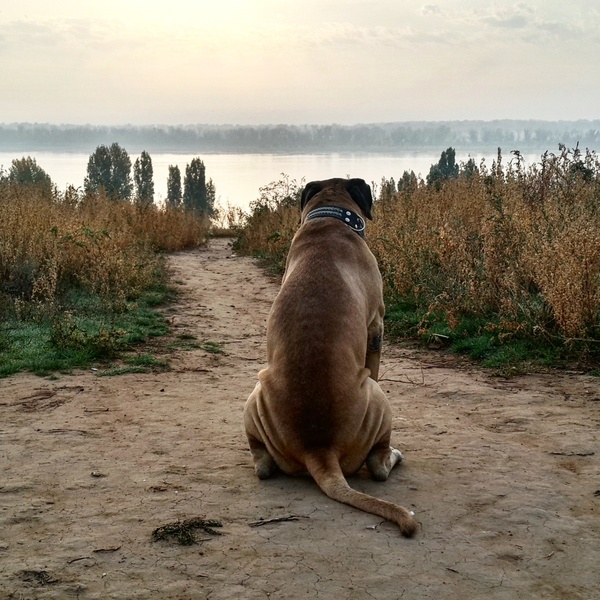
<point x="503" y="476"/>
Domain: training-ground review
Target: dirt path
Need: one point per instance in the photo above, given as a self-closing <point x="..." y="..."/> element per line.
<point x="503" y="475"/>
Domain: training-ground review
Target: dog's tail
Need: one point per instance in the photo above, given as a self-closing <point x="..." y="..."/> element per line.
<point x="326" y="471"/>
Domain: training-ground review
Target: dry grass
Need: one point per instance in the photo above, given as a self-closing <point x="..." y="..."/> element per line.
<point x="519" y="245"/>
<point x="51" y="243"/>
<point x="516" y="248"/>
<point x="268" y="230"/>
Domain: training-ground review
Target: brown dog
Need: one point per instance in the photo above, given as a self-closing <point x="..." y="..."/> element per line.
<point x="317" y="407"/>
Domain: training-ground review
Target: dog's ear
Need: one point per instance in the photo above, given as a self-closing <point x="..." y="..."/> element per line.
<point x="360" y="192"/>
<point x="312" y="188"/>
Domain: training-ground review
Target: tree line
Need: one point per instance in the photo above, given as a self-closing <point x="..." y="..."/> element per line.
<point x="109" y="171"/>
<point x="372" y="137"/>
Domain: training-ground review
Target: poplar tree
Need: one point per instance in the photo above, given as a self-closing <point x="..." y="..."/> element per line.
<point x="109" y="169"/>
<point x="26" y="172"/>
<point x="445" y="169"/>
<point x="195" y="193"/>
<point x="144" y="184"/>
<point x="174" y="186"/>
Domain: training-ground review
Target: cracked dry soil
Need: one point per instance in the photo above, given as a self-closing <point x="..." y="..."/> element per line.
<point x="503" y="476"/>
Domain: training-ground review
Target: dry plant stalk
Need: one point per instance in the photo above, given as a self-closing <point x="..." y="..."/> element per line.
<point x="50" y="243"/>
<point x="521" y="245"/>
<point x="517" y="246"/>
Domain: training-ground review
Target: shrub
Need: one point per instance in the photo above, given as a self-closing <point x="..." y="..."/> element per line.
<point x="269" y="228"/>
<point x="50" y="244"/>
<point x="515" y="250"/>
<point x="521" y="246"/>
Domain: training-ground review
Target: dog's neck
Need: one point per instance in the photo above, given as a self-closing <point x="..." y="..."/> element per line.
<point x="354" y="221"/>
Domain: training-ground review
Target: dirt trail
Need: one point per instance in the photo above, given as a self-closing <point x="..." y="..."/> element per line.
<point x="503" y="476"/>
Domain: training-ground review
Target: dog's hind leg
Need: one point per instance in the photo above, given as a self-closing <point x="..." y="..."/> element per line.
<point x="381" y="460"/>
<point x="264" y="464"/>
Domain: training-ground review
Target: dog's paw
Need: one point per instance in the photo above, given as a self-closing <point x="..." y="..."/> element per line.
<point x="397" y="457"/>
<point x="264" y="471"/>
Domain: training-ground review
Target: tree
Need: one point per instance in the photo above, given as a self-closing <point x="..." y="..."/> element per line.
<point x="388" y="189"/>
<point x="174" y="186"/>
<point x="144" y="184"/>
<point x="409" y="182"/>
<point x="446" y="168"/>
<point x="26" y="172"/>
<point x="109" y="169"/>
<point x="469" y="169"/>
<point x="195" y="193"/>
<point x="284" y="192"/>
<point x="211" y="197"/>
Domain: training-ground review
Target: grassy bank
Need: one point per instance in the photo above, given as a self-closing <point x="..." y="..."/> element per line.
<point x="81" y="277"/>
<point x="501" y="263"/>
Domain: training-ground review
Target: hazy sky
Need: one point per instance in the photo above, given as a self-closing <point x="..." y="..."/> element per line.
<point x="297" y="61"/>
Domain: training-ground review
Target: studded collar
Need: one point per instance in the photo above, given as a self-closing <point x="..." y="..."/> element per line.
<point x="354" y="221"/>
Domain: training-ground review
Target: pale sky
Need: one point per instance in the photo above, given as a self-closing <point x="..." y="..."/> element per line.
<point x="297" y="61"/>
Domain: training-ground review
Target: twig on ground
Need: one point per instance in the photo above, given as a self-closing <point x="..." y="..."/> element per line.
<point x="277" y="520"/>
<point x="407" y="380"/>
<point x="588" y="453"/>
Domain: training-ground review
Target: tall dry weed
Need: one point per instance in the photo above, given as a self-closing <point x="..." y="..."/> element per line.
<point x="520" y="245"/>
<point x="273" y="220"/>
<point x="48" y="244"/>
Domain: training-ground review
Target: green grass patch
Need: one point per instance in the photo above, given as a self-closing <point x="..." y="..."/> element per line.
<point x="86" y="332"/>
<point x="186" y="336"/>
<point x="212" y="347"/>
<point x="122" y="370"/>
<point x="138" y="363"/>
<point x="508" y="348"/>
<point x="402" y="320"/>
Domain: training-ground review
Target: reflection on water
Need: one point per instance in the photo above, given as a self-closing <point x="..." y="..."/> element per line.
<point x="238" y="177"/>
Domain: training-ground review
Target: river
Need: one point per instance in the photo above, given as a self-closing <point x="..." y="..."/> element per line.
<point x="238" y="177"/>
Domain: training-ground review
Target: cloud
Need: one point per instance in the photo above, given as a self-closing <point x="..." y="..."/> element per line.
<point x="430" y="9"/>
<point x="542" y="24"/>
<point x="384" y="59"/>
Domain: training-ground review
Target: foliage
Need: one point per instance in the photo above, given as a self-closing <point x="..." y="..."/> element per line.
<point x="137" y="363"/>
<point x="174" y="195"/>
<point x="25" y="172"/>
<point x="67" y="334"/>
<point x="144" y="184"/>
<point x="445" y="169"/>
<point x="269" y="228"/>
<point x="528" y="135"/>
<point x="502" y="263"/>
<point x="83" y="333"/>
<point x="517" y="249"/>
<point x="74" y="268"/>
<point x="211" y="197"/>
<point x="196" y="197"/>
<point x="109" y="171"/>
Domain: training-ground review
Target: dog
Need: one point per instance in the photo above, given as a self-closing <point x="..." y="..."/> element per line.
<point x="317" y="406"/>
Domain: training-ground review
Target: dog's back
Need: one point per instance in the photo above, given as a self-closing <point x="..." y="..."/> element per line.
<point x="317" y="332"/>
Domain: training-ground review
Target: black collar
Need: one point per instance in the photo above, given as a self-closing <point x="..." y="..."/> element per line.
<point x="354" y="221"/>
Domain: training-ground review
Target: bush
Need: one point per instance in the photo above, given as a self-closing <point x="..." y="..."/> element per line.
<point x="105" y="247"/>
<point x="518" y="246"/>
<point x="269" y="228"/>
<point x="515" y="250"/>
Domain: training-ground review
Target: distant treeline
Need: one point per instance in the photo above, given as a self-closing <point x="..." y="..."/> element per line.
<point x="376" y="137"/>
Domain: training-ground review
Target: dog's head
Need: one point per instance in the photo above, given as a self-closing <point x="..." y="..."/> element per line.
<point x="357" y="189"/>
